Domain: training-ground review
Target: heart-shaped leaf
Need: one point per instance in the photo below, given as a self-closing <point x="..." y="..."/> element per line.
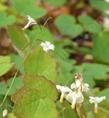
<point x="41" y="63"/>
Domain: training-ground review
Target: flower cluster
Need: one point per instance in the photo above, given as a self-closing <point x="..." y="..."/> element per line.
<point x="74" y="94"/>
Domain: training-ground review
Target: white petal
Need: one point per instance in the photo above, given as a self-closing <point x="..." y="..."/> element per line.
<point x="73" y="86"/>
<point x="63" y="88"/>
<point x="96" y="99"/>
<point x="73" y="95"/>
<point x="42" y="44"/>
<point x="85" y="87"/>
<point x="80" y="97"/>
<point x="100" y="99"/>
<point x="51" y="47"/>
<point x="106" y="22"/>
<point x="78" y="83"/>
<point x="30" y="19"/>
<point x="47" y="43"/>
<point x="47" y="46"/>
<point x="5" y="112"/>
<point x="58" y="87"/>
<point x="107" y="1"/>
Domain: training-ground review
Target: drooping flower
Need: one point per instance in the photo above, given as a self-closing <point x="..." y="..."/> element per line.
<point x="64" y="91"/>
<point x="47" y="46"/>
<point x="96" y="101"/>
<point x="75" y="98"/>
<point x="30" y="22"/>
<point x="5" y="112"/>
<point x="79" y="85"/>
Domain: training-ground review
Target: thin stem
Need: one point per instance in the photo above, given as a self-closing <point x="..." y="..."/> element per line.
<point x="78" y="116"/>
<point x="5" y="97"/>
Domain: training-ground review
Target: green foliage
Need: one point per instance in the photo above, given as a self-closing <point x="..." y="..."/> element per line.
<point x="40" y="63"/>
<point x="28" y="7"/>
<point x="48" y="90"/>
<point x="33" y="93"/>
<point x="5" y="86"/>
<point x="101" y="47"/>
<point x="6" y="19"/>
<point x="18" y="37"/>
<point x="36" y="98"/>
<point x="105" y="93"/>
<point x="5" y="64"/>
<point x="100" y="4"/>
<point x="40" y="33"/>
<point x="56" y="3"/>
<point x="67" y="25"/>
<point x="18" y="61"/>
<point x="11" y="115"/>
<point x="93" y="71"/>
<point x="102" y="113"/>
<point x="2" y="7"/>
<point x="89" y="24"/>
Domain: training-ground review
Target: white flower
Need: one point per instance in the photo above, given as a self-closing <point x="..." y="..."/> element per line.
<point x="106" y="22"/>
<point x="64" y="91"/>
<point x="85" y="87"/>
<point x="5" y="112"/>
<point x="107" y="1"/>
<point x="75" y="98"/>
<point x="80" y="86"/>
<point x="47" y="46"/>
<point x="31" y="21"/>
<point x="95" y="101"/>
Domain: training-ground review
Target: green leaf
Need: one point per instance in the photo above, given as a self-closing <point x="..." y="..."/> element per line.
<point x="6" y="19"/>
<point x="89" y="24"/>
<point x="40" y="33"/>
<point x="101" y="47"/>
<point x="35" y="99"/>
<point x="100" y="4"/>
<point x="26" y="102"/>
<point x="23" y="93"/>
<point x="97" y="71"/>
<point x="46" y="108"/>
<point x="40" y="63"/>
<point x="30" y="106"/>
<point x="18" y="61"/>
<point x="2" y="7"/>
<point x="18" y="83"/>
<point x="60" y="52"/>
<point x="56" y="3"/>
<point x="90" y="115"/>
<point x="5" y="64"/>
<point x="102" y="113"/>
<point x="44" y="86"/>
<point x="11" y="115"/>
<point x="69" y="113"/>
<point x="66" y="24"/>
<point x="28" y="7"/>
<point x="104" y="93"/>
<point x="5" y="86"/>
<point x="18" y="37"/>
<point x="65" y="77"/>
